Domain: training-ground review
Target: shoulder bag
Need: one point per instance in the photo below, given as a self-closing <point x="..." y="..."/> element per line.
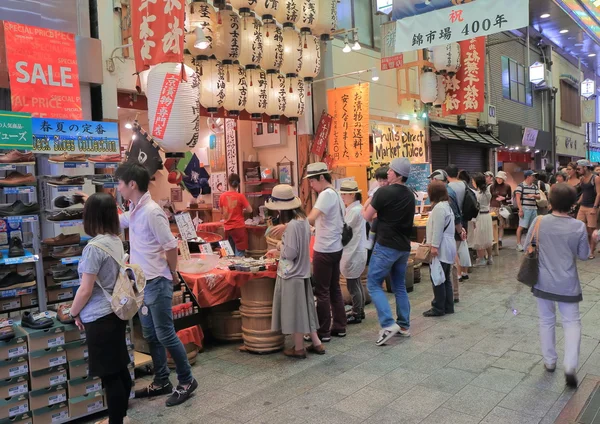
<point x="530" y="264"/>
<point x="423" y="253"/>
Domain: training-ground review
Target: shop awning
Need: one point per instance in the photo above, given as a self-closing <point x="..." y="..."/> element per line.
<point x="451" y="133"/>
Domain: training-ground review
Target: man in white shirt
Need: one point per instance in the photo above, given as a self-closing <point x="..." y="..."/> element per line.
<point x="154" y="249"/>
<point x="327" y="218"/>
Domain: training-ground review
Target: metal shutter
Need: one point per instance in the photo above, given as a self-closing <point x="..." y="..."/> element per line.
<point x="469" y="158"/>
<point x="439" y="156"/>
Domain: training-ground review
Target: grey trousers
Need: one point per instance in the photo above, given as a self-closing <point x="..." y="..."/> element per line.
<point x="357" y="292"/>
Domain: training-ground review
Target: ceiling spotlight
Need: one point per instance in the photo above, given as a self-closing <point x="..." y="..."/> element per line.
<point x="537" y="150"/>
<point x="133" y="137"/>
<point x="128" y="125"/>
<point x="592" y="55"/>
<point x="201" y="41"/>
<point x="563" y="31"/>
<point x="347" y="48"/>
<point x="374" y="74"/>
<point x="545" y="16"/>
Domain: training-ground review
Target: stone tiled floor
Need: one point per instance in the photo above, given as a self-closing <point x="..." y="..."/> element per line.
<point x="480" y="365"/>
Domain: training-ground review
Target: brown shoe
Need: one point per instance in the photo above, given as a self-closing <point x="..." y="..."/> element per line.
<point x="15" y="179"/>
<point x="17" y="157"/>
<point x="66" y="215"/>
<point x="63" y="240"/>
<point x="63" y="314"/>
<point x="6" y="329"/>
<point x="319" y="350"/>
<point x="66" y="180"/>
<point x="65" y="157"/>
<point x="68" y="252"/>
<point x="292" y="353"/>
<point x="106" y="158"/>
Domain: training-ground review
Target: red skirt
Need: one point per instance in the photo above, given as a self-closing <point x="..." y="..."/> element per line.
<point x="239" y="237"/>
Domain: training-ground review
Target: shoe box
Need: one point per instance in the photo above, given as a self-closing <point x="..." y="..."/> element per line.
<point x="25" y="418"/>
<point x="29" y="300"/>
<point x="14" y="386"/>
<point x="48" y="377"/>
<point x="10" y="304"/>
<point x="47" y="358"/>
<point x="39" y="339"/>
<point x="72" y="333"/>
<point x="79" y="368"/>
<point x="51" y="414"/>
<point x="14" y="367"/>
<point x="77" y="350"/>
<point x="59" y="294"/>
<point x="83" y="385"/>
<point x="47" y="397"/>
<point x="14" y="406"/>
<point x="86" y="404"/>
<point x="17" y="346"/>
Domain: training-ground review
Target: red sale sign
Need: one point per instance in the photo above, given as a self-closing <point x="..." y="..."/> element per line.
<point x="43" y="72"/>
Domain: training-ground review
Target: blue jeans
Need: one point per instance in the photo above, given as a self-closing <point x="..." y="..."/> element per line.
<point x="159" y="332"/>
<point x="386" y="261"/>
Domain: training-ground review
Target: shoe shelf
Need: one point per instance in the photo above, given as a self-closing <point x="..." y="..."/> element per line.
<point x="74" y="165"/>
<point x="70" y="261"/>
<point x="69" y="223"/>
<point x="17" y="292"/>
<point x="61" y="188"/>
<point x="67" y="284"/>
<point x="13" y="166"/>
<point x="17" y="219"/>
<point x="28" y="258"/>
<point x="106" y="165"/>
<point x="18" y="190"/>
<point x="110" y="184"/>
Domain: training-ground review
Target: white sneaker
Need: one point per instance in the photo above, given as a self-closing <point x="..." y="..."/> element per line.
<point x="520" y="248"/>
<point x="403" y="333"/>
<point x="480" y="262"/>
<point x="387" y="333"/>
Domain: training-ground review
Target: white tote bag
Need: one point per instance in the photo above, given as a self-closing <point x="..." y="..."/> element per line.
<point x="437" y="272"/>
<point x="463" y="254"/>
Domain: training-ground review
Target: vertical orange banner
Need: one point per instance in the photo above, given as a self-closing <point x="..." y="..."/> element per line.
<point x="349" y="136"/>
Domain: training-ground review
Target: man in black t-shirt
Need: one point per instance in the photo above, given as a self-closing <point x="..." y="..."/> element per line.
<point x="395" y="209"/>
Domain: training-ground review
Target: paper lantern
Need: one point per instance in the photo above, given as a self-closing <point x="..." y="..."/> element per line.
<point x="446" y="58"/>
<point x="267" y="9"/>
<point x="292" y="51"/>
<point x="289" y="11"/>
<point x="251" y="41"/>
<point x="428" y="87"/>
<point x="173" y="107"/>
<point x="144" y="80"/>
<point x="276" y="91"/>
<point x="272" y="55"/>
<point x="441" y="91"/>
<point x="236" y="89"/>
<point x="227" y="39"/>
<point x="212" y="84"/>
<point x="309" y="14"/>
<point x="244" y="6"/>
<point x="295" y="98"/>
<point x="256" y="103"/>
<point x="202" y="22"/>
<point x="326" y="19"/>
<point x="311" y="57"/>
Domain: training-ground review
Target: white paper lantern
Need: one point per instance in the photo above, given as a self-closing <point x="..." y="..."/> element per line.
<point x="256" y="103"/>
<point x="244" y="6"/>
<point x="277" y="98"/>
<point x="311" y="57"/>
<point x="251" y="41"/>
<point x="202" y="16"/>
<point x="289" y="11"/>
<point x="295" y="98"/>
<point x="326" y="19"/>
<point x="309" y="15"/>
<point x="428" y="87"/>
<point x="212" y="84"/>
<point x="144" y="80"/>
<point x="227" y="40"/>
<point x="292" y="51"/>
<point x="272" y="54"/>
<point x="441" y="91"/>
<point x="267" y="9"/>
<point x="173" y="107"/>
<point x="236" y="89"/>
<point x="446" y="58"/>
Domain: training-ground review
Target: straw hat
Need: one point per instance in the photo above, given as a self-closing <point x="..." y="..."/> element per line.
<point x="349" y="187"/>
<point x="502" y="174"/>
<point x="283" y="199"/>
<point x="317" y="168"/>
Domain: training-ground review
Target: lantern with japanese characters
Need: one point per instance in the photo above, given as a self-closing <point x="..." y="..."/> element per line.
<point x="144" y="80"/>
<point x="292" y="51"/>
<point x="289" y="11"/>
<point x="212" y="84"/>
<point x="441" y="91"/>
<point x="295" y="98"/>
<point x="227" y="40"/>
<point x="256" y="103"/>
<point x="276" y="89"/>
<point x="311" y="57"/>
<point x="272" y="55"/>
<point x="326" y="19"/>
<point x="267" y="9"/>
<point x="251" y="41"/>
<point x="244" y="6"/>
<point x="309" y="14"/>
<point x="173" y="107"/>
<point x="236" y="89"/>
<point x="201" y="40"/>
<point x="428" y="87"/>
<point x="446" y="58"/>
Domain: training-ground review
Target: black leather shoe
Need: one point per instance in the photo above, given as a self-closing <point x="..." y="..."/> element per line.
<point x="36" y="321"/>
<point x="66" y="275"/>
<point x="15" y="248"/>
<point x="20" y="208"/>
<point x="433" y="313"/>
<point x="14" y="280"/>
<point x="63" y="202"/>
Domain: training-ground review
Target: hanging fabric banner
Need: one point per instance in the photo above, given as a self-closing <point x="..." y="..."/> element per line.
<point x="349" y="137"/>
<point x="157" y="32"/>
<point x="43" y="71"/>
<point x="231" y="146"/>
<point x="465" y="89"/>
<point x="322" y="135"/>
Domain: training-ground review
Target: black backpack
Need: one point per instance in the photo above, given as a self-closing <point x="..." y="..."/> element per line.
<point x="470" y="208"/>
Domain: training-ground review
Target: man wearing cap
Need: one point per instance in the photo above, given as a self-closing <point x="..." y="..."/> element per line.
<point x="327" y="216"/>
<point x="589" y="201"/>
<point x="526" y="196"/>
<point x="501" y="194"/>
<point x="395" y="209"/>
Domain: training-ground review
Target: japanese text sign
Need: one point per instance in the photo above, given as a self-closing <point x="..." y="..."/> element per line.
<point x="458" y="23"/>
<point x="588" y="88"/>
<point x="465" y="89"/>
<point x="389" y="58"/>
<point x="231" y="146"/>
<point x="398" y="142"/>
<point x="157" y="31"/>
<point x="55" y="136"/>
<point x="43" y="71"/>
<point x="15" y="130"/>
<point x="165" y="104"/>
<point x="322" y="135"/>
<point x="349" y="136"/>
<point x="529" y="137"/>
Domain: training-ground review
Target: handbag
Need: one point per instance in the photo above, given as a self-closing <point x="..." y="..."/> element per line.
<point x="347" y="232"/>
<point x="529" y="269"/>
<point x="423" y="253"/>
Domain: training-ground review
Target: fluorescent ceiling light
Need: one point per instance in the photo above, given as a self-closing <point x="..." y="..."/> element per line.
<point x="545" y="16"/>
<point x="591" y="54"/>
<point x="563" y="31"/>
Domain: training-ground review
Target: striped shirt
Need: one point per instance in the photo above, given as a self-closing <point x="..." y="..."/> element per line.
<point x="528" y="190"/>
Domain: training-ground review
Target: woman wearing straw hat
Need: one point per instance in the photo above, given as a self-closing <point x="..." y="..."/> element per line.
<point x="354" y="257"/>
<point x="294" y="309"/>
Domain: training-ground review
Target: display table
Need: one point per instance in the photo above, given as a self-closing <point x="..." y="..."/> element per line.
<point x="257" y="243"/>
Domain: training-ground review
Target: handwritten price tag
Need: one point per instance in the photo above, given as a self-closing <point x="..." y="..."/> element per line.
<point x="184" y="250"/>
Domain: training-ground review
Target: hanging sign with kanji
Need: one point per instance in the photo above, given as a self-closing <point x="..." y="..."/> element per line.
<point x="465" y="89"/>
<point x="461" y="22"/>
<point x="349" y="136"/>
<point x="56" y="136"/>
<point x="15" y="130"/>
<point x="322" y="135"/>
<point x="157" y="31"/>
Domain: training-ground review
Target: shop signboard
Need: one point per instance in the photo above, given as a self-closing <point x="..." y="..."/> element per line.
<point x="458" y="23"/>
<point x="588" y="88"/>
<point x="15" y="130"/>
<point x="537" y="73"/>
<point x="56" y="136"/>
<point x="529" y="137"/>
<point x="231" y="146"/>
<point x="43" y="71"/>
<point x="349" y="136"/>
<point x="391" y="142"/>
<point x="588" y="111"/>
<point x="322" y="135"/>
<point x="389" y="58"/>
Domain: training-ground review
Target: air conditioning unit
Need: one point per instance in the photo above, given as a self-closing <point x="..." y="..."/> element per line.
<point x="546" y="83"/>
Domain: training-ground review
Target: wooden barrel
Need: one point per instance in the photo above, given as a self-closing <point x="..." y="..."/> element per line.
<point x="256" y="312"/>
<point x="225" y="322"/>
<point x="257" y="244"/>
<point x="417" y="273"/>
<point x="410" y="276"/>
<point x="192" y="354"/>
<point x="363" y="281"/>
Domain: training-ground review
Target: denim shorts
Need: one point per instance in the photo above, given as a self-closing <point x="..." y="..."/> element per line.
<point x="528" y="216"/>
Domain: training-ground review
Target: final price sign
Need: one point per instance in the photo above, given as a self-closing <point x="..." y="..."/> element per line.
<point x="453" y="24"/>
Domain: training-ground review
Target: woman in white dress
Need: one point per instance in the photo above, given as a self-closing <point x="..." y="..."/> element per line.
<point x="484" y="233"/>
<point x="354" y="256"/>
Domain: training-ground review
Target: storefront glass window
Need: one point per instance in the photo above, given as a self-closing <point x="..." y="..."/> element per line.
<point x="515" y="82"/>
<point x="359" y="14"/>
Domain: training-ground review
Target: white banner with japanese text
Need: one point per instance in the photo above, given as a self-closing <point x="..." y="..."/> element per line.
<point x="231" y="146"/>
<point x="458" y="23"/>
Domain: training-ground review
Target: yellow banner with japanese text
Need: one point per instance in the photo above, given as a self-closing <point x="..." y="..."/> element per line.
<point x="349" y="136"/>
<point x="398" y="141"/>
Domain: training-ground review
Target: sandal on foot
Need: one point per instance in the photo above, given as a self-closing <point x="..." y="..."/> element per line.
<point x="319" y="350"/>
<point x="293" y="353"/>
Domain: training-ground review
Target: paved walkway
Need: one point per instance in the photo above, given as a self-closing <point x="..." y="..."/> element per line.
<point x="480" y="365"/>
